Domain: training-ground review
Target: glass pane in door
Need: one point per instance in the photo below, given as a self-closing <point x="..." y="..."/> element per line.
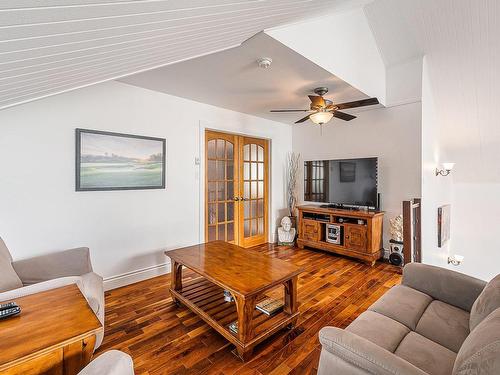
<point x="220" y="220"/>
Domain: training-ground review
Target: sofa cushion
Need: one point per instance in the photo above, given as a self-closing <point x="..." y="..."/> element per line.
<point x="366" y="356"/>
<point x="379" y="329"/>
<point x="445" y="324"/>
<point x="8" y="277"/>
<point x="403" y="304"/>
<point x="442" y="284"/>
<point x="480" y="352"/>
<point x="488" y="301"/>
<point x="425" y="354"/>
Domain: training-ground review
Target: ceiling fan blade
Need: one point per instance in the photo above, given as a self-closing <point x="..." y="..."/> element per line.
<point x="289" y="110"/>
<point x="358" y="103"/>
<point x="302" y="119"/>
<point x="317" y="100"/>
<point x="343" y="116"/>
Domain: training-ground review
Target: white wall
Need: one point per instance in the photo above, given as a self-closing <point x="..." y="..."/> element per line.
<point x="436" y="190"/>
<point x="125" y="230"/>
<point x="404" y="82"/>
<point x="391" y="134"/>
<point x="342" y="44"/>
<point x="474" y="230"/>
<point x="472" y="189"/>
<point x="460" y="40"/>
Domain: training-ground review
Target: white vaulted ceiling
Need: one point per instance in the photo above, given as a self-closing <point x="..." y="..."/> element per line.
<point x="460" y="40"/>
<point x="52" y="46"/>
<point x="232" y="79"/>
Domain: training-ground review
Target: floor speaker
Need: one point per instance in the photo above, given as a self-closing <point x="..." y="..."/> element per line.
<point x="396" y="256"/>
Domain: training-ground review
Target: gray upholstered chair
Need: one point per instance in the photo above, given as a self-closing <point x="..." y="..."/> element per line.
<point x="33" y="275"/>
<point x="437" y="322"/>
<point x="113" y="362"/>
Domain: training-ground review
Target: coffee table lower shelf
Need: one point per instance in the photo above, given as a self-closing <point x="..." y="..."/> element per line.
<point x="206" y="299"/>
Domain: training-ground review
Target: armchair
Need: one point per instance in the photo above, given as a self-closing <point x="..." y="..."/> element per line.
<point x="37" y="274"/>
<point x="113" y="362"/>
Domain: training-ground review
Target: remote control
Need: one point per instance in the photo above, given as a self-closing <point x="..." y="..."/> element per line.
<point x="7" y="305"/>
<point x="9" y="312"/>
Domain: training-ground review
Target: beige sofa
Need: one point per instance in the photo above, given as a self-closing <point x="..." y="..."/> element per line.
<point x="33" y="275"/>
<point x="436" y="322"/>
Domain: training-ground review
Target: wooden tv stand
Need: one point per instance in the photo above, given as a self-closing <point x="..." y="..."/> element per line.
<point x="361" y="241"/>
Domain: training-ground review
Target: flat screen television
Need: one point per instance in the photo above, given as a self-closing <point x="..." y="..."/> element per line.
<point x="349" y="182"/>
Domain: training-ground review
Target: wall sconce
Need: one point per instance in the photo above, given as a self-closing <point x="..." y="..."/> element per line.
<point x="447" y="167"/>
<point x="456" y="259"/>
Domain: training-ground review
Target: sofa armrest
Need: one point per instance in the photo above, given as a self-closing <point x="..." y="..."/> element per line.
<point x="40" y="287"/>
<point x="93" y="290"/>
<point x="73" y="262"/>
<point x="364" y="355"/>
<point x="442" y="284"/>
<point x="112" y="362"/>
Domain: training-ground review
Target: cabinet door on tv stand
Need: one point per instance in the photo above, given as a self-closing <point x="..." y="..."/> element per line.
<point x="311" y="230"/>
<point x="355" y="238"/>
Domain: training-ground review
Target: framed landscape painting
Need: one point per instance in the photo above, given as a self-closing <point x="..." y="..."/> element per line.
<point x="114" y="161"/>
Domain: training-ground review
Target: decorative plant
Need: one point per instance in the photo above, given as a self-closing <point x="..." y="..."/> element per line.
<point x="397" y="228"/>
<point x="292" y="168"/>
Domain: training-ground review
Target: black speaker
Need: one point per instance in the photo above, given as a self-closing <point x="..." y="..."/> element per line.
<point x="396" y="259"/>
<point x="396" y="256"/>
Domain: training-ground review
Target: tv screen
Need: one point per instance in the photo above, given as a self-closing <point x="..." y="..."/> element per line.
<point x="351" y="182"/>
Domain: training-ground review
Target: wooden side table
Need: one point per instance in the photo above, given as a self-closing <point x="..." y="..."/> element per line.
<point x="54" y="334"/>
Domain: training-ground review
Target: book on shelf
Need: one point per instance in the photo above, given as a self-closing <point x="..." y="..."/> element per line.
<point x="270" y="306"/>
<point x="228" y="297"/>
<point x="233" y="327"/>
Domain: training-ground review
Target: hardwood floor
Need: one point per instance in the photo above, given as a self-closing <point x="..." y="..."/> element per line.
<point x="142" y="320"/>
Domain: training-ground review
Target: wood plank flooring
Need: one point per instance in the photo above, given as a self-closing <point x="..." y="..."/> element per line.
<point x="142" y="320"/>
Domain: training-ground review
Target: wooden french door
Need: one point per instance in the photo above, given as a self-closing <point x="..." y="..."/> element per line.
<point x="236" y="189"/>
<point x="253" y="191"/>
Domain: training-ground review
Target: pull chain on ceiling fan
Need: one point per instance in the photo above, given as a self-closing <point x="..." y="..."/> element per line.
<point x="322" y="110"/>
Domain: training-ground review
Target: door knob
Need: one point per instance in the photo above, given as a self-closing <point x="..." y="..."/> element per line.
<point x="236" y="199"/>
<point x="244" y="199"/>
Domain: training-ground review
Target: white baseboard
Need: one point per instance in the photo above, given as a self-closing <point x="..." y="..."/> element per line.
<point x="135" y="276"/>
<point x="273" y="238"/>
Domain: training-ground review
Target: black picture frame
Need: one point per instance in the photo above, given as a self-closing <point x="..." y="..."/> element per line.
<point x="444" y="224"/>
<point x="78" y="157"/>
<point x="347" y="171"/>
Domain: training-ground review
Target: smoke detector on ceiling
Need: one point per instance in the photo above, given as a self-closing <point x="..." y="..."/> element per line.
<point x="264" y="62"/>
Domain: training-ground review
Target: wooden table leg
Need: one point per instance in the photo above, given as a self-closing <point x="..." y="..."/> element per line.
<point x="245" y="308"/>
<point x="176" y="283"/>
<point x="291" y="305"/>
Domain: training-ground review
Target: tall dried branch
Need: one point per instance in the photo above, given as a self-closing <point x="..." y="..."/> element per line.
<point x="292" y="167"/>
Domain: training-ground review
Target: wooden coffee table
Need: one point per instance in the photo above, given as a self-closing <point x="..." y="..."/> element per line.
<point x="54" y="334"/>
<point x="247" y="274"/>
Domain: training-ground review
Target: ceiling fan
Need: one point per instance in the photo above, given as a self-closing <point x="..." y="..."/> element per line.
<point x="323" y="110"/>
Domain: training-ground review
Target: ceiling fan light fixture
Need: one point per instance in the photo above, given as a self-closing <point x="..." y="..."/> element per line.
<point x="321" y="118"/>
